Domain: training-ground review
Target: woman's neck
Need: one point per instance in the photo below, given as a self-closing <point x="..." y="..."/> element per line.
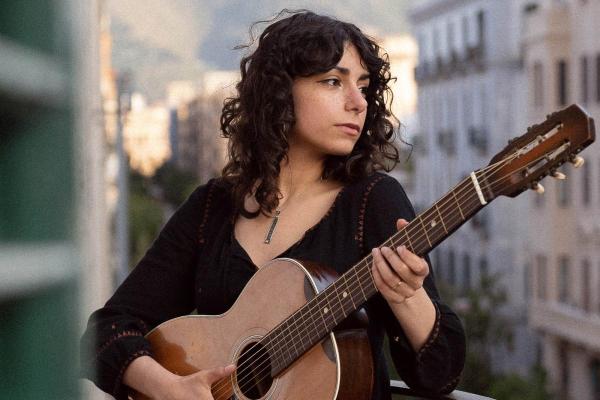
<point x="298" y="172"/>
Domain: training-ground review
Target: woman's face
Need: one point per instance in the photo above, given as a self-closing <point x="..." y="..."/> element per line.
<point x="330" y="107"/>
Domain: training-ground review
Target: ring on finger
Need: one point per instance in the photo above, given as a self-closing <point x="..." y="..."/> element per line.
<point x="396" y="286"/>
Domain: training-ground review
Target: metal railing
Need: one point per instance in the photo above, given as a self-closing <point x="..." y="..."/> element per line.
<point x="399" y="387"/>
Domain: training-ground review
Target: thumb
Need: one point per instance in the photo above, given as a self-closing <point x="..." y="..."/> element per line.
<point x="214" y="374"/>
<point x="401" y="223"/>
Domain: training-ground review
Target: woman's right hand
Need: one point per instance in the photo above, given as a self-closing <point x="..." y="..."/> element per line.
<point x="149" y="378"/>
<point x="197" y="386"/>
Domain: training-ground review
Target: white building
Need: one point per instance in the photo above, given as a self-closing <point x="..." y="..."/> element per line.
<point x="470" y="84"/>
<point x="562" y="60"/>
<point x="146" y="135"/>
<point x="402" y="52"/>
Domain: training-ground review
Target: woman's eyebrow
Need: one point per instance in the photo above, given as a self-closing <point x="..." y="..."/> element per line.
<point x="346" y="71"/>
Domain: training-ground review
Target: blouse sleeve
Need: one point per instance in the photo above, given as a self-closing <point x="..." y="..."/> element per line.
<point x="159" y="288"/>
<point x="437" y="366"/>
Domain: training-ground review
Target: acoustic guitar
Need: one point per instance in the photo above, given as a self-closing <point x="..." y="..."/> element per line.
<point x="280" y="331"/>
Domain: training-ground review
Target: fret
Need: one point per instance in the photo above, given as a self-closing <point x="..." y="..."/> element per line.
<point x="441" y="219"/>
<point x="345" y="278"/>
<point x="337" y="296"/>
<point x="359" y="280"/>
<point x="424" y="228"/>
<point x="346" y="299"/>
<point x="458" y="204"/>
<point x="328" y="309"/>
<point x="437" y="231"/>
<point x="286" y="336"/>
<point x="272" y="350"/>
<point x="411" y="247"/>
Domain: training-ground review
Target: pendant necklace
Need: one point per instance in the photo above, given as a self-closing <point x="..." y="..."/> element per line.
<point x="272" y="228"/>
<point x="275" y="217"/>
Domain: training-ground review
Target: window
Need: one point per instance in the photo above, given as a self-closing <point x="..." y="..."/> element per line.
<point x="563" y="357"/>
<point x="451" y="268"/>
<point x="585" y="281"/>
<point x="466" y="272"/>
<point x="483" y="268"/>
<point x="480" y="28"/>
<point x="584" y="80"/>
<point x="538" y="85"/>
<point x="595" y="378"/>
<point x="563" y="279"/>
<point x="451" y="44"/>
<point x="598" y="78"/>
<point x="585" y="187"/>
<point x="465" y="32"/>
<point x="563" y="190"/>
<point x="541" y="263"/>
<point x="562" y="89"/>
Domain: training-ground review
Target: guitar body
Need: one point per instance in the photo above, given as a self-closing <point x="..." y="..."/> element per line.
<point x="339" y="367"/>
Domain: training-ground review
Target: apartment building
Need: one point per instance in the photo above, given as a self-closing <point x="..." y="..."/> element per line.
<point x="470" y="79"/>
<point x="561" y="54"/>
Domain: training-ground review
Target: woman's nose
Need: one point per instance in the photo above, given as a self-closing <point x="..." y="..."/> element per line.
<point x="355" y="100"/>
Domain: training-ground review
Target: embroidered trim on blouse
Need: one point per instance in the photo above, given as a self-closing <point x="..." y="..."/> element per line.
<point x="363" y="208"/>
<point x="205" y="216"/>
<point x="434" y="333"/>
<point x="115" y="337"/>
<point x="119" y="379"/>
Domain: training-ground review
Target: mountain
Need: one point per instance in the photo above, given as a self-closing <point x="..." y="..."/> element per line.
<point x="158" y="41"/>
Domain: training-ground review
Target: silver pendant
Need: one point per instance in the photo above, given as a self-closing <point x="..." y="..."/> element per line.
<point x="272" y="228"/>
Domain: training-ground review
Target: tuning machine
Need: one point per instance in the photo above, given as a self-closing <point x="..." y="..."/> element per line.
<point x="577" y="161"/>
<point x="558" y="175"/>
<point x="538" y="188"/>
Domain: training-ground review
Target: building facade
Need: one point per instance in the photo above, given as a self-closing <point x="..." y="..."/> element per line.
<point x="562" y="62"/>
<point x="201" y="148"/>
<point x="470" y="79"/>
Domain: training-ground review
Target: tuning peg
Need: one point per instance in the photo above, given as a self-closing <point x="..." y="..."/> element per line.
<point x="538" y="188"/>
<point x="577" y="161"/>
<point x="558" y="175"/>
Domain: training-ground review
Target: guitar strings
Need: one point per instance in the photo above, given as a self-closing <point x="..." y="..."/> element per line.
<point x="498" y="165"/>
<point x="300" y="332"/>
<point x="405" y="233"/>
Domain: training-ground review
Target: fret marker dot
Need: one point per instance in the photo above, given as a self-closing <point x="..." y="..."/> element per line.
<point x="325" y="310"/>
<point x="433" y="223"/>
<point x="345" y="294"/>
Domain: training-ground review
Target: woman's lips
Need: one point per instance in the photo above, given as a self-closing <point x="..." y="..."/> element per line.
<point x="351" y="129"/>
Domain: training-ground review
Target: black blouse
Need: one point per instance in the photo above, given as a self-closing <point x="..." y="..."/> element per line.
<point x="197" y="264"/>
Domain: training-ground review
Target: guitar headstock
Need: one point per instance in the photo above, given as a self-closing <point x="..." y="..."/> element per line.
<point x="529" y="158"/>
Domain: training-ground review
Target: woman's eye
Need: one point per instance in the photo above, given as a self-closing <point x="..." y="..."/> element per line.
<point x="364" y="90"/>
<point x="332" y="82"/>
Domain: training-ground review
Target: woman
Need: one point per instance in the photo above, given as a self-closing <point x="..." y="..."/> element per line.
<point x="307" y="132"/>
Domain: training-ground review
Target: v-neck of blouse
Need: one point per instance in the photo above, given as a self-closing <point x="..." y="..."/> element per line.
<point x="246" y="256"/>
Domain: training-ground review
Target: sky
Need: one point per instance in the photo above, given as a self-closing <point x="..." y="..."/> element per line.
<point x="158" y="41"/>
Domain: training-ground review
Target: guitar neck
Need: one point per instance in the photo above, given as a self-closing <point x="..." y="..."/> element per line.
<point x="324" y="312"/>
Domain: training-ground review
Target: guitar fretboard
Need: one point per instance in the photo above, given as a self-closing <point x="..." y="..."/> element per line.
<point x="307" y="326"/>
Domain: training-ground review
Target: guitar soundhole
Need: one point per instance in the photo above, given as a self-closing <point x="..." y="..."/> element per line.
<point x="254" y="371"/>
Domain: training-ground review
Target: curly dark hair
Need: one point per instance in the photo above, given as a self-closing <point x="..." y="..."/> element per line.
<point x="257" y="121"/>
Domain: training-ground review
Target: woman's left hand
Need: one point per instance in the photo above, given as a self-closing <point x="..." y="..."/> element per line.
<point x="398" y="273"/>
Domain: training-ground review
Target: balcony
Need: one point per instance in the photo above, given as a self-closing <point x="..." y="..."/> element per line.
<point x="478" y="139"/>
<point x="472" y="59"/>
<point x="560" y="320"/>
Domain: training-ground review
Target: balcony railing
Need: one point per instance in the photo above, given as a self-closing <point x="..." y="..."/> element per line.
<point x="440" y="68"/>
<point x="399" y="387"/>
